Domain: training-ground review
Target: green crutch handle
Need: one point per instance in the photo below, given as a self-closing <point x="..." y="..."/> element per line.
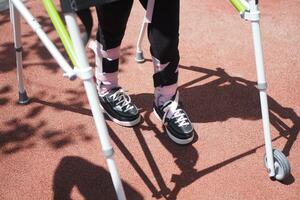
<point x="61" y="30"/>
<point x="239" y="6"/>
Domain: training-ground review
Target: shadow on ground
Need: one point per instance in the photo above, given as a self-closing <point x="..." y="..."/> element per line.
<point x="27" y="128"/>
<point x="218" y="100"/>
<point x="92" y="181"/>
<point x="17" y="133"/>
<point x="222" y="98"/>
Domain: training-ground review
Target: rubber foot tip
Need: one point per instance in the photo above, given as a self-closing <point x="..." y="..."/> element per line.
<point x="23" y="98"/>
<point x="139" y="57"/>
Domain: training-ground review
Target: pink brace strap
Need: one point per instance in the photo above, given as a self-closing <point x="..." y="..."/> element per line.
<point x="162" y="94"/>
<point x="105" y="81"/>
<point x="110" y="54"/>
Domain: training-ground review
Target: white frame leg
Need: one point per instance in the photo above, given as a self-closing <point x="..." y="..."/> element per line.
<point x="86" y="74"/>
<point x="262" y="84"/>
<point x="139" y="57"/>
<point x="16" y="25"/>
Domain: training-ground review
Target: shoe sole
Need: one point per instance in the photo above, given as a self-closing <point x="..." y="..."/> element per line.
<point x="172" y="137"/>
<point x="122" y="123"/>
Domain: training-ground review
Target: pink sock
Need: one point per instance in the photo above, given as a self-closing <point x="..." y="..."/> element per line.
<point x="106" y="82"/>
<point x="162" y="94"/>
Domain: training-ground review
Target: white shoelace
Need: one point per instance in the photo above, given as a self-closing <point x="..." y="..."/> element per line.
<point x="172" y="111"/>
<point x="123" y="100"/>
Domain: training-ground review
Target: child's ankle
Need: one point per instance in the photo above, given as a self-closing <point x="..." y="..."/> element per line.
<point x="164" y="94"/>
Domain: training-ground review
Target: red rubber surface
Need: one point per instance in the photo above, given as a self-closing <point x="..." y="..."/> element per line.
<point x="49" y="149"/>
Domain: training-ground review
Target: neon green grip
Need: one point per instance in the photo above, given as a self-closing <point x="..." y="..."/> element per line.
<point x="61" y="30"/>
<point x="238" y="6"/>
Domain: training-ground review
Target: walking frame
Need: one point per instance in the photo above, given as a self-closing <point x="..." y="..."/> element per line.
<point x="275" y="161"/>
<point x="79" y="60"/>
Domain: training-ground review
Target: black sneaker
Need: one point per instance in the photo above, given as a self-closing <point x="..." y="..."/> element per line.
<point x="178" y="126"/>
<point x="118" y="106"/>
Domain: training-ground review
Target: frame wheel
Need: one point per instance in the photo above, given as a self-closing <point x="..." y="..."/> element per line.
<point x="281" y="164"/>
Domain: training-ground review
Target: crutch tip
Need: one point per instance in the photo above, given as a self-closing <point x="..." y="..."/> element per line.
<point x="23" y="98"/>
<point x="139" y="57"/>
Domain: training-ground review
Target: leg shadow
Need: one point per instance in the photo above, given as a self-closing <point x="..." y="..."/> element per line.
<point x="92" y="181"/>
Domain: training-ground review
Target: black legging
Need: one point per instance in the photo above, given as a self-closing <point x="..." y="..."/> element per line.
<point x="163" y="33"/>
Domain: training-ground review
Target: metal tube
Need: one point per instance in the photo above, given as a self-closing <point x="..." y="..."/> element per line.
<point x="44" y="38"/>
<point x="141" y="36"/>
<point x="16" y="24"/>
<point x="61" y="30"/>
<point x="94" y="103"/>
<point x="240" y="5"/>
<point x="262" y="92"/>
<point x="147" y="20"/>
<point x="15" y="19"/>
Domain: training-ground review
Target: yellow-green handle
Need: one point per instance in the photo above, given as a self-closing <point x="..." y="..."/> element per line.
<point x="61" y="30"/>
<point x="239" y="6"/>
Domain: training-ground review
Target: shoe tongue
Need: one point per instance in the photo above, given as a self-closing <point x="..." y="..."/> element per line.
<point x="170" y="109"/>
<point x="110" y="92"/>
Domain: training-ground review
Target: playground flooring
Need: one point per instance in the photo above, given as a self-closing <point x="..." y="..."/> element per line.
<point x="49" y="149"/>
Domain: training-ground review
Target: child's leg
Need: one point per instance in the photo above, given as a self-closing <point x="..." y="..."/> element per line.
<point x="164" y="38"/>
<point x="163" y="34"/>
<point x="113" y="99"/>
<point x="112" y="19"/>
